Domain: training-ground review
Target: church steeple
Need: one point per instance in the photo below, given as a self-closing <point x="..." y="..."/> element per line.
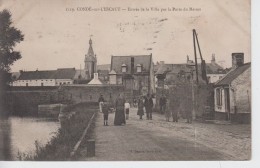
<point x="90" y="61"/>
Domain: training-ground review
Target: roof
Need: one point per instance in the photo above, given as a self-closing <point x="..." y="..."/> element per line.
<point x="34" y="75"/>
<point x="233" y="74"/>
<point x="212" y="68"/>
<point x="172" y="68"/>
<point x="103" y="67"/>
<point x="112" y="72"/>
<point x="95" y="80"/>
<point x="118" y="61"/>
<point x="90" y="56"/>
<point x="64" y="73"/>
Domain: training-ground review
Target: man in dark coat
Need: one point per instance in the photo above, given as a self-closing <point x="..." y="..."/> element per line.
<point x="148" y="104"/>
<point x="162" y="104"/>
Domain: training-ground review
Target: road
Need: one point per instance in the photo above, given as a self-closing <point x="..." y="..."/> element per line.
<point x="150" y="140"/>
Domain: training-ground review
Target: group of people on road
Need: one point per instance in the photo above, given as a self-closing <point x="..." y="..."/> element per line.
<point x="121" y="106"/>
<point x="144" y="104"/>
<point x="173" y="108"/>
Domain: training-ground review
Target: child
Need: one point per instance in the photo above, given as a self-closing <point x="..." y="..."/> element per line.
<point x="105" y="110"/>
<point x="127" y="107"/>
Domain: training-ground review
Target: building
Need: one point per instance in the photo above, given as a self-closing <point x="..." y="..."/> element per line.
<point x="46" y="78"/>
<point x="136" y="73"/>
<point x="172" y="74"/>
<point x="214" y="71"/>
<point x="90" y="62"/>
<point x="232" y="93"/>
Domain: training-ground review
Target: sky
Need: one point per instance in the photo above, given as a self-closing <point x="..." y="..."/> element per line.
<point x="57" y="37"/>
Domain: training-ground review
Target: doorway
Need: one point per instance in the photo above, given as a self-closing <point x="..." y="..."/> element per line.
<point x="227" y="103"/>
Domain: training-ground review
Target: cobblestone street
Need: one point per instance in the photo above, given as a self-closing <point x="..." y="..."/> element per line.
<point x="160" y="140"/>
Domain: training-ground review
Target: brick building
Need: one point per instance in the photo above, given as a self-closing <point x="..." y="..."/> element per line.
<point x="233" y="92"/>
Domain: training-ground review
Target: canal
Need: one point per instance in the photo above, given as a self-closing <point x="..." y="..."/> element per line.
<point x="20" y="134"/>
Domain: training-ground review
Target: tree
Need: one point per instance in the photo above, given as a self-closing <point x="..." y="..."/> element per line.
<point x="9" y="37"/>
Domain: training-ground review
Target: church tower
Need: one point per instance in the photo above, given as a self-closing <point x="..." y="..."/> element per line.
<point x="90" y="61"/>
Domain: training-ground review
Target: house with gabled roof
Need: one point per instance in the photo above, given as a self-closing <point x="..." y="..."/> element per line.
<point x="135" y="72"/>
<point x="46" y="78"/>
<point x="232" y="93"/>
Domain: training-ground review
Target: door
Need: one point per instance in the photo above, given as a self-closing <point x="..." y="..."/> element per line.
<point x="227" y="103"/>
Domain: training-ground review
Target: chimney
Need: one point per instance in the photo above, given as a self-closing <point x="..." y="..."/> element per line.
<point x="213" y="59"/>
<point x="237" y="59"/>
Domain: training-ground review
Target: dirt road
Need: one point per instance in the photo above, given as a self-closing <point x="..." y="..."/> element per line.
<point x="147" y="140"/>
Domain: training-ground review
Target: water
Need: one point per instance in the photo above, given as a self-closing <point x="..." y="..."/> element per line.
<point x="25" y="131"/>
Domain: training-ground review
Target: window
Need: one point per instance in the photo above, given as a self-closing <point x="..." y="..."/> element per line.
<point x="41" y="84"/>
<point x="219" y="97"/>
<point x="124" y="68"/>
<point x="139" y="68"/>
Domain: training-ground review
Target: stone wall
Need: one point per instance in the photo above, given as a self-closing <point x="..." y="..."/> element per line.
<point x="25" y="101"/>
<point x="91" y="93"/>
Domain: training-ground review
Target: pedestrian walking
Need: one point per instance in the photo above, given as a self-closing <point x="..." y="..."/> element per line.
<point x="140" y="110"/>
<point x="127" y="109"/>
<point x="162" y="103"/>
<point x="120" y="114"/>
<point x="100" y="101"/>
<point x="154" y="101"/>
<point x="135" y="102"/>
<point x="105" y="110"/>
<point x="148" y="104"/>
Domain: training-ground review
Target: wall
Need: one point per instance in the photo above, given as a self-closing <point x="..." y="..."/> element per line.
<point x="242" y="93"/>
<point x="91" y="93"/>
<point x="46" y="82"/>
<point x="23" y="102"/>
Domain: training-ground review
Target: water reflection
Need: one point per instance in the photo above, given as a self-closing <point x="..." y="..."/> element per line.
<point x="25" y="131"/>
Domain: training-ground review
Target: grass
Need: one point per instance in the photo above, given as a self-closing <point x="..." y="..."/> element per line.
<point x="61" y="144"/>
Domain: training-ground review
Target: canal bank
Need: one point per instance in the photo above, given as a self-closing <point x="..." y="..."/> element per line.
<point x="62" y="144"/>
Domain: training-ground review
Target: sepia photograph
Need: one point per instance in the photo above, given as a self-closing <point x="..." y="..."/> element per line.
<point x="107" y="80"/>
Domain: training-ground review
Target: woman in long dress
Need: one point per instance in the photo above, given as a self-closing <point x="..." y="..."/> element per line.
<point x="120" y="113"/>
<point x="140" y="110"/>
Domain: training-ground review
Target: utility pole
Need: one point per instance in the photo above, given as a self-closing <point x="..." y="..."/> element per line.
<point x="195" y="55"/>
<point x="193" y="97"/>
